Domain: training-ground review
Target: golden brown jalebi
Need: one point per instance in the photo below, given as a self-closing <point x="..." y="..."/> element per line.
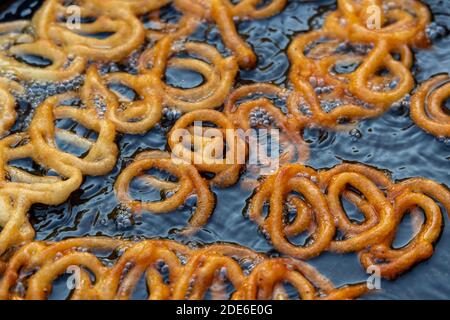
<point x="356" y="66"/>
<point x="191" y="272"/>
<point x="218" y="74"/>
<point x="218" y="150"/>
<point x="242" y="9"/>
<point x="382" y="202"/>
<point x="261" y="283"/>
<point x="396" y="21"/>
<point x="160" y="29"/>
<point x="189" y="181"/>
<point x="101" y="155"/>
<point x="294" y="178"/>
<point x="129" y="116"/>
<point x="348" y="70"/>
<point x="428" y="103"/>
<point x="223" y="13"/>
<point x="126" y="31"/>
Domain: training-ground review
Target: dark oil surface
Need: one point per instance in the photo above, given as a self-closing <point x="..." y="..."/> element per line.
<point x="391" y="142"/>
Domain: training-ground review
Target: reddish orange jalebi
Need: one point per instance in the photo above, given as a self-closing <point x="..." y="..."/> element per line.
<point x="356" y="66"/>
<point x="371" y="80"/>
<point x="240" y="112"/>
<point x="320" y="211"/>
<point x="192" y="273"/>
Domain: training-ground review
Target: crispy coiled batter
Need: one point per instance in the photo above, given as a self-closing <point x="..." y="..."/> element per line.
<point x="428" y="103"/>
<point x="217" y="150"/>
<point x="189" y="181"/>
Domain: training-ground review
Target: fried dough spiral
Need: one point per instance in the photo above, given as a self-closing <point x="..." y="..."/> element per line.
<point x="316" y="196"/>
<point x="101" y="154"/>
<point x="189" y="181"/>
<point x="20" y="189"/>
<point x="358" y="64"/>
<point x="126" y="31"/>
<point x="241" y="105"/>
<point x="8" y="103"/>
<point x="261" y="283"/>
<point x="428" y="103"/>
<point x="223" y="13"/>
<point x="36" y="265"/>
<point x="218" y="72"/>
<point x="17" y="40"/>
<point x="129" y="116"/>
<point x="217" y="150"/>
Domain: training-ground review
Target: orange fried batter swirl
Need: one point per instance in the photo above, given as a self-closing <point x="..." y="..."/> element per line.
<point x="427" y="106"/>
<point x="191" y="273"/>
<point x="189" y="180"/>
<point x="127" y="32"/>
<point x="101" y="154"/>
<point x="335" y="81"/>
<point x="319" y="210"/>
<point x="17" y="40"/>
<point x="223" y="13"/>
<point x="218" y="150"/>
<point x="8" y="103"/>
<point x="294" y="147"/>
<point x="218" y="72"/>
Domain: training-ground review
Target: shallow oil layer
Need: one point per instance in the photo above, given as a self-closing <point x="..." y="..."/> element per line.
<point x="391" y="142"/>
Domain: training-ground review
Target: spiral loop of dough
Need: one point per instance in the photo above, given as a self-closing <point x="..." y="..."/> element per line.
<point x="428" y="103"/>
<point x="375" y="78"/>
<point x="16" y="40"/>
<point x="218" y="150"/>
<point x="8" y="103"/>
<point x="223" y="13"/>
<point x="125" y="31"/>
<point x="218" y="74"/>
<point x="20" y="189"/>
<point x="294" y="147"/>
<point x="102" y="153"/>
<point x="189" y="182"/>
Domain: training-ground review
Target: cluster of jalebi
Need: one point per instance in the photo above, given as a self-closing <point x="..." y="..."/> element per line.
<point x="77" y="38"/>
<point x="358" y="64"/>
<point x="316" y="196"/>
<point x="171" y="271"/>
<point x="71" y="37"/>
